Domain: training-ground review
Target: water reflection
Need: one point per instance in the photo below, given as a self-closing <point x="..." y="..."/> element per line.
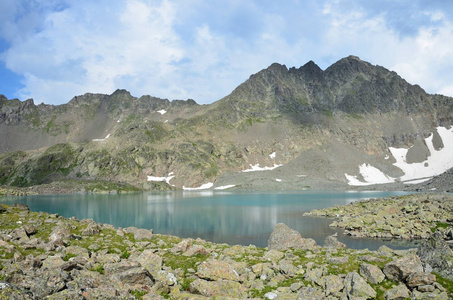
<point x="222" y="217"/>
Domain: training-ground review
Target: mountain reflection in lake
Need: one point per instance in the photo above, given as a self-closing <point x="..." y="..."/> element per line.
<point x="217" y="216"/>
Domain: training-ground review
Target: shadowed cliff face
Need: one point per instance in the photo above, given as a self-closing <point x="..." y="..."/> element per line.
<point x="323" y="123"/>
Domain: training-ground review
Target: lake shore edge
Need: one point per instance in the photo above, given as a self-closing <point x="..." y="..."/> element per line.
<point x="47" y="256"/>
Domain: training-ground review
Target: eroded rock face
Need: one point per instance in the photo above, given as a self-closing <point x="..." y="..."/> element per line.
<point x="283" y="238"/>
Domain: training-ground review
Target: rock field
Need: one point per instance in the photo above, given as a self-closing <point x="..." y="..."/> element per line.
<point x="45" y="256"/>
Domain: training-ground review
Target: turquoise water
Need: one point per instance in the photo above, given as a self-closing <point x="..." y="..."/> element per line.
<point x="222" y="217"/>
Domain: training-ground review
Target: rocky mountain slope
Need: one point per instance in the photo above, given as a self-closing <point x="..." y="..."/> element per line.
<point x="351" y="125"/>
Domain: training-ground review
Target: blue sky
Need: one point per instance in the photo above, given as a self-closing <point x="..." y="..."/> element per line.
<point x="178" y="49"/>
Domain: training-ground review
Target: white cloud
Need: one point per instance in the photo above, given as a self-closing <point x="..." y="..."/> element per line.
<point x="193" y="49"/>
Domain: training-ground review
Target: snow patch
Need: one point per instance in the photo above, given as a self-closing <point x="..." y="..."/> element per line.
<point x="166" y="179"/>
<point x="272" y="155"/>
<point x="258" y="168"/>
<point x="162" y="111"/>
<point x="278" y="180"/>
<point x="101" y="140"/>
<point x="202" y="187"/>
<point x="437" y="163"/>
<point x="224" y="187"/>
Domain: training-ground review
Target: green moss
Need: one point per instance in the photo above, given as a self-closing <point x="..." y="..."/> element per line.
<point x="99" y="269"/>
<point x="138" y="294"/>
<point x="446" y="283"/>
<point x="177" y="261"/>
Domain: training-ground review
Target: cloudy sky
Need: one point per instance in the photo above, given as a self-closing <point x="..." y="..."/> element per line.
<point x="52" y="50"/>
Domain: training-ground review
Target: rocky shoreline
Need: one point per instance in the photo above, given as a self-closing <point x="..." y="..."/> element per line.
<point x="414" y="216"/>
<point x="45" y="256"/>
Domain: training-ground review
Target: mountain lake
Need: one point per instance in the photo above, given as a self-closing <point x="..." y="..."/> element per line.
<point x="218" y="216"/>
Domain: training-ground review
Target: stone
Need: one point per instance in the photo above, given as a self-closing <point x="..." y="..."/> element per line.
<point x="49" y="282"/>
<point x="416" y="295"/>
<point x="310" y="293"/>
<point x="195" y="250"/>
<point x="215" y="270"/>
<point x="60" y="233"/>
<point x="134" y="276"/>
<point x="139" y="233"/>
<point x="30" y="229"/>
<point x="372" y="273"/>
<point x="332" y="242"/>
<point x="283" y="237"/>
<point x="401" y="268"/>
<point x="92" y="229"/>
<point x="436" y="252"/>
<point x="124" y="265"/>
<point x="22" y="207"/>
<point x="166" y="278"/>
<point x="150" y="261"/>
<point x="226" y="288"/>
<point x="356" y="287"/>
<point x="286" y="267"/>
<point x="182" y="246"/>
<point x="333" y="284"/>
<point x="398" y="292"/>
<point x="420" y="278"/>
<point x="273" y="255"/>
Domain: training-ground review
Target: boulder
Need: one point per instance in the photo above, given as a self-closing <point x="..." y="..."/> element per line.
<point x="436" y="253"/>
<point x="60" y="233"/>
<point x="333" y="284"/>
<point x="398" y="292"/>
<point x="355" y="287"/>
<point x="139" y="233"/>
<point x="212" y="269"/>
<point x="420" y="278"/>
<point x="372" y="273"/>
<point x="401" y="268"/>
<point x="92" y="229"/>
<point x="225" y="288"/>
<point x="283" y="237"/>
<point x="150" y="261"/>
<point x="332" y="242"/>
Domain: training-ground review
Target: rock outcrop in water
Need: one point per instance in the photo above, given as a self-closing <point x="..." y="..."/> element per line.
<point x="45" y="256"/>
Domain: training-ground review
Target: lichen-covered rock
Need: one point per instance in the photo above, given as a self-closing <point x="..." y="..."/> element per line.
<point x="150" y="261"/>
<point x="225" y="288"/>
<point x="355" y="287"/>
<point x="310" y="293"/>
<point x="398" y="292"/>
<point x="332" y="242"/>
<point x="420" y="278"/>
<point x="60" y="233"/>
<point x="273" y="255"/>
<point x="372" y="273"/>
<point x="401" y="268"/>
<point x="436" y="253"/>
<point x="333" y="284"/>
<point x="283" y="237"/>
<point x="215" y="270"/>
<point x="139" y="233"/>
<point x="92" y="229"/>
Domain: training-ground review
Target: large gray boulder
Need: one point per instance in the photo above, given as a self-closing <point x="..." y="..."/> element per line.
<point x="355" y="287"/>
<point x="436" y="253"/>
<point x="283" y="237"/>
<point x="401" y="268"/>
